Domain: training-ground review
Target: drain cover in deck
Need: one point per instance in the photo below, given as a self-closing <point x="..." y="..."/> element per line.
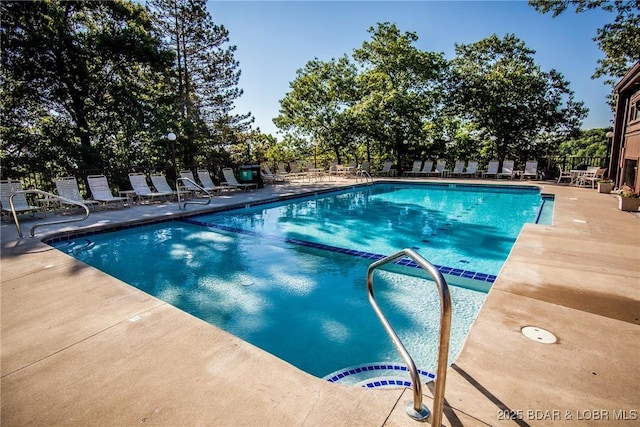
<point x="538" y="335"/>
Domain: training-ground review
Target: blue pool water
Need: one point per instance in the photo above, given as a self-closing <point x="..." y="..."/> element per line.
<point x="458" y="226"/>
<point x="247" y="272"/>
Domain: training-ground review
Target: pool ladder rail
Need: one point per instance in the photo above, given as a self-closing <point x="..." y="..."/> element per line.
<point x="366" y="176"/>
<point x="185" y="190"/>
<point x="416" y="409"/>
<point x="48" y="196"/>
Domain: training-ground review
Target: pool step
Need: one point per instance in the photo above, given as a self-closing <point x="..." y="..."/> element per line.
<point x="375" y="375"/>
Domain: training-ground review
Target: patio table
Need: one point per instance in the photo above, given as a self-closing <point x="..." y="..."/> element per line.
<point x="576" y="175"/>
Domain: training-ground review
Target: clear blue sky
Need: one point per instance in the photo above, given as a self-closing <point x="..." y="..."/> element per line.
<point x="276" y="38"/>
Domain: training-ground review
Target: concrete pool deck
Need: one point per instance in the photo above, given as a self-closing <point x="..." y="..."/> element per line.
<point x="79" y="347"/>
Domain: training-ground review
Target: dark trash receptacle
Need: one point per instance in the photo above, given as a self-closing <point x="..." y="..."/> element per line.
<point x="250" y="174"/>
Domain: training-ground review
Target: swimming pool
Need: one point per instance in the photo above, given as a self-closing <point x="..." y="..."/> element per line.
<point x="291" y="278"/>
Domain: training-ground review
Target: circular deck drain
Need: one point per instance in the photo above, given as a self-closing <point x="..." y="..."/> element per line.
<point x="538" y="335"/>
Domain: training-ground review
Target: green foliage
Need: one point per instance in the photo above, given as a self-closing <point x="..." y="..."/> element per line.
<point x="316" y="107"/>
<point x="525" y="111"/>
<point x="491" y="101"/>
<point x="618" y="40"/>
<point x="400" y="91"/>
<point x="589" y="143"/>
<point x="387" y="99"/>
<point x="100" y="84"/>
<point x="77" y="78"/>
<point x="93" y="86"/>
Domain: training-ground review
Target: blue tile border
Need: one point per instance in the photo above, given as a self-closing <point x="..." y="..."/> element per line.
<point x="487" y="279"/>
<point x="405" y="262"/>
<point x="378" y="382"/>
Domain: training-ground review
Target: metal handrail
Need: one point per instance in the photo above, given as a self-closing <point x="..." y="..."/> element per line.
<point x="416" y="409"/>
<point x="182" y="206"/>
<point x="366" y="175"/>
<point x="44" y="193"/>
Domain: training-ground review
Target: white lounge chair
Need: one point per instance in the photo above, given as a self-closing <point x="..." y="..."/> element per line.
<point x="207" y="183"/>
<point x="101" y="191"/>
<point x="386" y="168"/>
<point x="143" y="191"/>
<point x="189" y="183"/>
<point x="67" y="187"/>
<point x="231" y="181"/>
<point x="161" y="185"/>
<point x="530" y="170"/>
<point x="9" y="187"/>
<point x="349" y="170"/>
<point x="365" y="166"/>
<point x="295" y="170"/>
<point x="363" y="169"/>
<point x="507" y="169"/>
<point x="441" y="167"/>
<point x="269" y="176"/>
<point x="492" y="169"/>
<point x="282" y="170"/>
<point x="189" y="186"/>
<point x="415" y="169"/>
<point x="472" y="169"/>
<point x="458" y="169"/>
<point x="427" y="168"/>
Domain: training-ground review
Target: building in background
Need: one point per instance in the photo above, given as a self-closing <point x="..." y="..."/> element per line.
<point x="625" y="143"/>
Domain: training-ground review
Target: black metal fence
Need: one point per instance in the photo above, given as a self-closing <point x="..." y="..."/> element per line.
<point x="550" y="167"/>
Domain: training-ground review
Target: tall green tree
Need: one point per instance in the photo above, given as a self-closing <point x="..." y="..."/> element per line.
<point x="206" y="78"/>
<point x="315" y="108"/>
<point x="400" y="90"/>
<point x="517" y="108"/>
<point x="77" y="83"/>
<point x="618" y="40"/>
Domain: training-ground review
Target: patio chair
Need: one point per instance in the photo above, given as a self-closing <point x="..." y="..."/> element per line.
<point x="492" y="169"/>
<point x="67" y="187"/>
<point x="591" y="179"/>
<point x="207" y="183"/>
<point x="161" y="185"/>
<point x="189" y="184"/>
<point x="427" y="168"/>
<point x="415" y="169"/>
<point x="472" y="169"/>
<point x="386" y="169"/>
<point x="365" y="166"/>
<point x="268" y="175"/>
<point x="141" y="187"/>
<point x="101" y="192"/>
<point x="363" y="169"/>
<point x="189" y="187"/>
<point x="282" y="170"/>
<point x="9" y="187"/>
<point x="232" y="182"/>
<point x="507" y="169"/>
<point x="458" y="168"/>
<point x="441" y="167"/>
<point x="295" y="171"/>
<point x="350" y="169"/>
<point x="530" y="170"/>
<point x="564" y="174"/>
